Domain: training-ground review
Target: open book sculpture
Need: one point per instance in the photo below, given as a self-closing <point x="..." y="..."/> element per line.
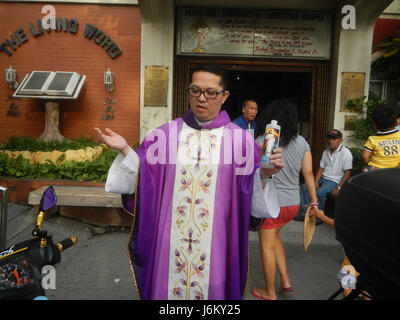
<point x="52" y="86"/>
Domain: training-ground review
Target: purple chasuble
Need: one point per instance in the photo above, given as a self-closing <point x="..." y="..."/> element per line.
<point x="149" y="244"/>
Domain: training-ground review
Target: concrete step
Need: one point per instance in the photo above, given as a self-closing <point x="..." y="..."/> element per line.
<point x="89" y="204"/>
<point x="79" y="196"/>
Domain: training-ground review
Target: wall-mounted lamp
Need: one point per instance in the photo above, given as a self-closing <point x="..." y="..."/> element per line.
<point x="11" y="78"/>
<point x="109" y="80"/>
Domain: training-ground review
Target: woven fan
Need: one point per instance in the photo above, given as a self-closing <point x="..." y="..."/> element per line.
<point x="309" y="228"/>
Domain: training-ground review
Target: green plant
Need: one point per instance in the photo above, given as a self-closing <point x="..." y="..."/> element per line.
<point x="81" y="171"/>
<point x="389" y="63"/>
<point x="19" y="167"/>
<point x="357" y="164"/>
<point x="356" y="105"/>
<point x="31" y="144"/>
<point x="364" y="126"/>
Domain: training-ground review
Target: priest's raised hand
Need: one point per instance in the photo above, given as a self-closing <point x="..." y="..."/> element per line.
<point x="113" y="140"/>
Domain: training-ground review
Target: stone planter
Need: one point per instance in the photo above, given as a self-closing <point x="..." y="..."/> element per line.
<point x="19" y="189"/>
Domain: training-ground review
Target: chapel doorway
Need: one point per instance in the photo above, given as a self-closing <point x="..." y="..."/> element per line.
<point x="307" y="83"/>
<point x="266" y="86"/>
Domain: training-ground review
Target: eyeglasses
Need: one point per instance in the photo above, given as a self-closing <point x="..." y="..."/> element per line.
<point x="208" y="94"/>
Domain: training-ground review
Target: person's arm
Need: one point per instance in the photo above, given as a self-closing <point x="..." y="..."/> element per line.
<point x="346" y="175"/>
<point x="365" y="155"/>
<point x="121" y="176"/>
<point x="367" y="151"/>
<point x="318" y="176"/>
<point x="335" y="192"/>
<point x="321" y="215"/>
<point x="113" y="140"/>
<point x="306" y="168"/>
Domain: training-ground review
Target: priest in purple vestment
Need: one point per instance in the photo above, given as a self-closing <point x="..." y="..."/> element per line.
<point x="191" y="186"/>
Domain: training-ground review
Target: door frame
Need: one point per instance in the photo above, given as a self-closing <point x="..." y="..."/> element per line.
<point x="320" y="89"/>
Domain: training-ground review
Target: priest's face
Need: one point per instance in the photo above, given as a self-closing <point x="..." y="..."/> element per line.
<point x="206" y="95"/>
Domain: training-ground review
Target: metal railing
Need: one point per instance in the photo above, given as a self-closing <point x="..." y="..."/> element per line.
<point x="3" y="217"/>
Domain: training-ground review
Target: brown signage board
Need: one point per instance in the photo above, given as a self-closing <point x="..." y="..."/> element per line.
<point x="352" y="88"/>
<point x="254" y="32"/>
<point x="155" y="86"/>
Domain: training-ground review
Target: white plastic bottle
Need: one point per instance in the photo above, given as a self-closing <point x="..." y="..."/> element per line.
<point x="271" y="142"/>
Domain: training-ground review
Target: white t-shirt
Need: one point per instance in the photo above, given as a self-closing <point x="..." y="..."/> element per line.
<point x="335" y="164"/>
<point x="287" y="180"/>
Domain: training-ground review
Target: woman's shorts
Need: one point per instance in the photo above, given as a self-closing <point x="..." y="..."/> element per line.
<point x="285" y="215"/>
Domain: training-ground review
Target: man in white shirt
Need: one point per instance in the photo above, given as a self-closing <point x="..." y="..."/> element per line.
<point x="334" y="169"/>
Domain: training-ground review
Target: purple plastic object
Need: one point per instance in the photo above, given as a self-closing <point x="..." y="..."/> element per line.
<point x="49" y="199"/>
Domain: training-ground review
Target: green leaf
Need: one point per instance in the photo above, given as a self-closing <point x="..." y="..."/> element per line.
<point x="95" y="170"/>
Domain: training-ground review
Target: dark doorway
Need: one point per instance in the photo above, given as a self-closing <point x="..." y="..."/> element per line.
<point x="265" y="86"/>
<point x="306" y="82"/>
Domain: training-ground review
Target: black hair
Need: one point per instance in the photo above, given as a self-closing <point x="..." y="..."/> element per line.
<point x="214" y="68"/>
<point x="385" y="117"/>
<point x="247" y="100"/>
<point x="285" y="113"/>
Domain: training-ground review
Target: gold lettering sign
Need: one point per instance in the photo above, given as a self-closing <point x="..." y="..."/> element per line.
<point x="352" y="88"/>
<point x="348" y="122"/>
<point x="155" y="86"/>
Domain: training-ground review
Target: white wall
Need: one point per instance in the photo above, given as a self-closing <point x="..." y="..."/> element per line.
<point x="351" y="49"/>
<point x="157" y="49"/>
<point x="157" y="46"/>
<point x="393" y="8"/>
<point x="354" y="49"/>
